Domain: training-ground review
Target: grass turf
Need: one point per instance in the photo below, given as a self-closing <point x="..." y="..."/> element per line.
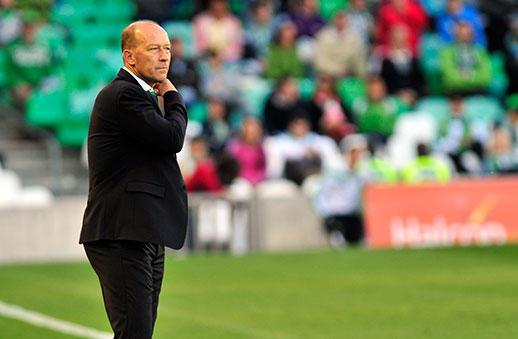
<point x="441" y="293"/>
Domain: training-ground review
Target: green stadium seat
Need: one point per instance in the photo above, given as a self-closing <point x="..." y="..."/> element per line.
<point x="431" y="46"/>
<point x="351" y="88"/>
<point x="184" y="31"/>
<point x="72" y="15"/>
<point x="329" y="7"/>
<point x="198" y="111"/>
<point x="436" y="106"/>
<point x="254" y="94"/>
<point x="82" y="69"/>
<point x="183" y="9"/>
<point x="238" y="7"/>
<point x="95" y="36"/>
<point x="484" y="108"/>
<point x="46" y="109"/>
<point x="306" y="88"/>
<point x="3" y="68"/>
<point x="72" y="133"/>
<point x="499" y="80"/>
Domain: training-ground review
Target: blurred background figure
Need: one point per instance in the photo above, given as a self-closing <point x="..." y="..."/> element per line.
<point x="205" y="177"/>
<point x="336" y="194"/>
<point x="426" y="168"/>
<point x="460" y="11"/>
<point x="259" y="28"/>
<point x="219" y="30"/>
<point x="247" y="149"/>
<point x="298" y="152"/>
<point x="401" y="70"/>
<point x="407" y="13"/>
<point x="340" y="62"/>
<point x="282" y="59"/>
<point x="465" y="67"/>
<point x="10" y="22"/>
<point x="183" y="72"/>
<point x="376" y="114"/>
<point x="281" y="105"/>
<point x="327" y="112"/>
<point x="216" y="129"/>
<point x="306" y="18"/>
<point x="511" y="54"/>
<point x="360" y="20"/>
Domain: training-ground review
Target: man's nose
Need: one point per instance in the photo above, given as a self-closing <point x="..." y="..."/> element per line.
<point x="164" y="54"/>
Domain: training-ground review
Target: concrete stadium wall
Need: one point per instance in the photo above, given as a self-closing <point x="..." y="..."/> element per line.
<point x="51" y="233"/>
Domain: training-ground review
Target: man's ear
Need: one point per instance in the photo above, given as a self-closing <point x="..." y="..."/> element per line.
<point x="129" y="57"/>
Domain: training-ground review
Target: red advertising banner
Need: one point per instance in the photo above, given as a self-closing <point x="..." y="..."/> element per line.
<point x="467" y="212"/>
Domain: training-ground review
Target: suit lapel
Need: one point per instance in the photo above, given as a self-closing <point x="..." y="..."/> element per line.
<point x="125" y="76"/>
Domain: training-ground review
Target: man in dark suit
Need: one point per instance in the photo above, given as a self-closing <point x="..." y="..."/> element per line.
<point x="137" y="202"/>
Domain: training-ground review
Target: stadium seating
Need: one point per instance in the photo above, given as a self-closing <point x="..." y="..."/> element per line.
<point x="46" y="109"/>
<point x="184" y="31"/>
<point x="329" y="7"/>
<point x="351" y="88"/>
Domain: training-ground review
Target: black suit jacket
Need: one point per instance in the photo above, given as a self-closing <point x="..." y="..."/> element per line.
<point x="136" y="188"/>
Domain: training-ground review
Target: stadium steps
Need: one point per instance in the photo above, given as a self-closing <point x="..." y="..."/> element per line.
<point x="32" y="160"/>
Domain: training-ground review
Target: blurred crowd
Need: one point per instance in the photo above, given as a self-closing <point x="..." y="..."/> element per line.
<point x="330" y="95"/>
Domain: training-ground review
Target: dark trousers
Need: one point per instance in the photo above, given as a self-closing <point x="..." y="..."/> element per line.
<point x="350" y="225"/>
<point x="130" y="273"/>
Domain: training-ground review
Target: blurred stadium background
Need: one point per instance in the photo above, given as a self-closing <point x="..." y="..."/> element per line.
<point x="319" y="131"/>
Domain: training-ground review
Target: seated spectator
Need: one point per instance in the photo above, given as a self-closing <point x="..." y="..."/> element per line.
<point x="426" y="168"/>
<point x="465" y="67"/>
<point x="281" y="105"/>
<point x="501" y="154"/>
<point x="299" y="152"/>
<point x="29" y="63"/>
<point x="259" y="29"/>
<point x="217" y="29"/>
<point x="220" y="79"/>
<point x="307" y="18"/>
<point x="462" y="139"/>
<point x="337" y="195"/>
<point x="248" y="150"/>
<point x="376" y="114"/>
<point x="340" y="62"/>
<point x="183" y="73"/>
<point x="361" y="20"/>
<point x="282" y="59"/>
<point x="205" y="176"/>
<point x="400" y="69"/>
<point x="216" y="129"/>
<point x="408" y="13"/>
<point x="327" y="113"/>
<point x="10" y="22"/>
<point x="458" y="11"/>
<point x="511" y="55"/>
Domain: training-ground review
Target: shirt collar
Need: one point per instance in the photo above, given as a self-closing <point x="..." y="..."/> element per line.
<point x="141" y="82"/>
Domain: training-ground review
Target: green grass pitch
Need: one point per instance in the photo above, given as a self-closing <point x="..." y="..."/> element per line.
<point x="441" y="293"/>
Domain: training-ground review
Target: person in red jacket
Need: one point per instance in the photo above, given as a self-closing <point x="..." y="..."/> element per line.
<point x="205" y="176"/>
<point x="408" y="13"/>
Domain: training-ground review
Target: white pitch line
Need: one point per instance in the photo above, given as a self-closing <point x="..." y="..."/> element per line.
<point x="42" y="320"/>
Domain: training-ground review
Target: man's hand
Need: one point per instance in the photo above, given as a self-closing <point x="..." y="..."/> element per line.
<point x="163" y="87"/>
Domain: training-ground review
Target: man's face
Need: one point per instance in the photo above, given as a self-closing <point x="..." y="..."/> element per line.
<point x="151" y="55"/>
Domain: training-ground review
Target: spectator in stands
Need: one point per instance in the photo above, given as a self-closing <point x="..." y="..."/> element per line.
<point x="183" y="72"/>
<point x="465" y="67"/>
<point x="281" y="105"/>
<point x="282" y="59"/>
<point x="462" y="139"/>
<point x="299" y="152"/>
<point x="426" y="168"/>
<point x="259" y="29"/>
<point x="511" y="55"/>
<point x="351" y="60"/>
<point x="376" y="114"/>
<point x="408" y="13"/>
<point x="361" y="20"/>
<point x="220" y="79"/>
<point x="248" y="150"/>
<point x="10" y="22"/>
<point x="337" y="194"/>
<point x="218" y="29"/>
<point x="205" y="176"/>
<point x="29" y="63"/>
<point x="501" y="154"/>
<point x="400" y="69"/>
<point x="458" y="11"/>
<point x="216" y="129"/>
<point x="327" y="113"/>
<point x="512" y="116"/>
<point x="306" y="18"/>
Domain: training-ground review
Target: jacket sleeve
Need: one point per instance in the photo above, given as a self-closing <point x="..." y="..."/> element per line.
<point x="143" y="123"/>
